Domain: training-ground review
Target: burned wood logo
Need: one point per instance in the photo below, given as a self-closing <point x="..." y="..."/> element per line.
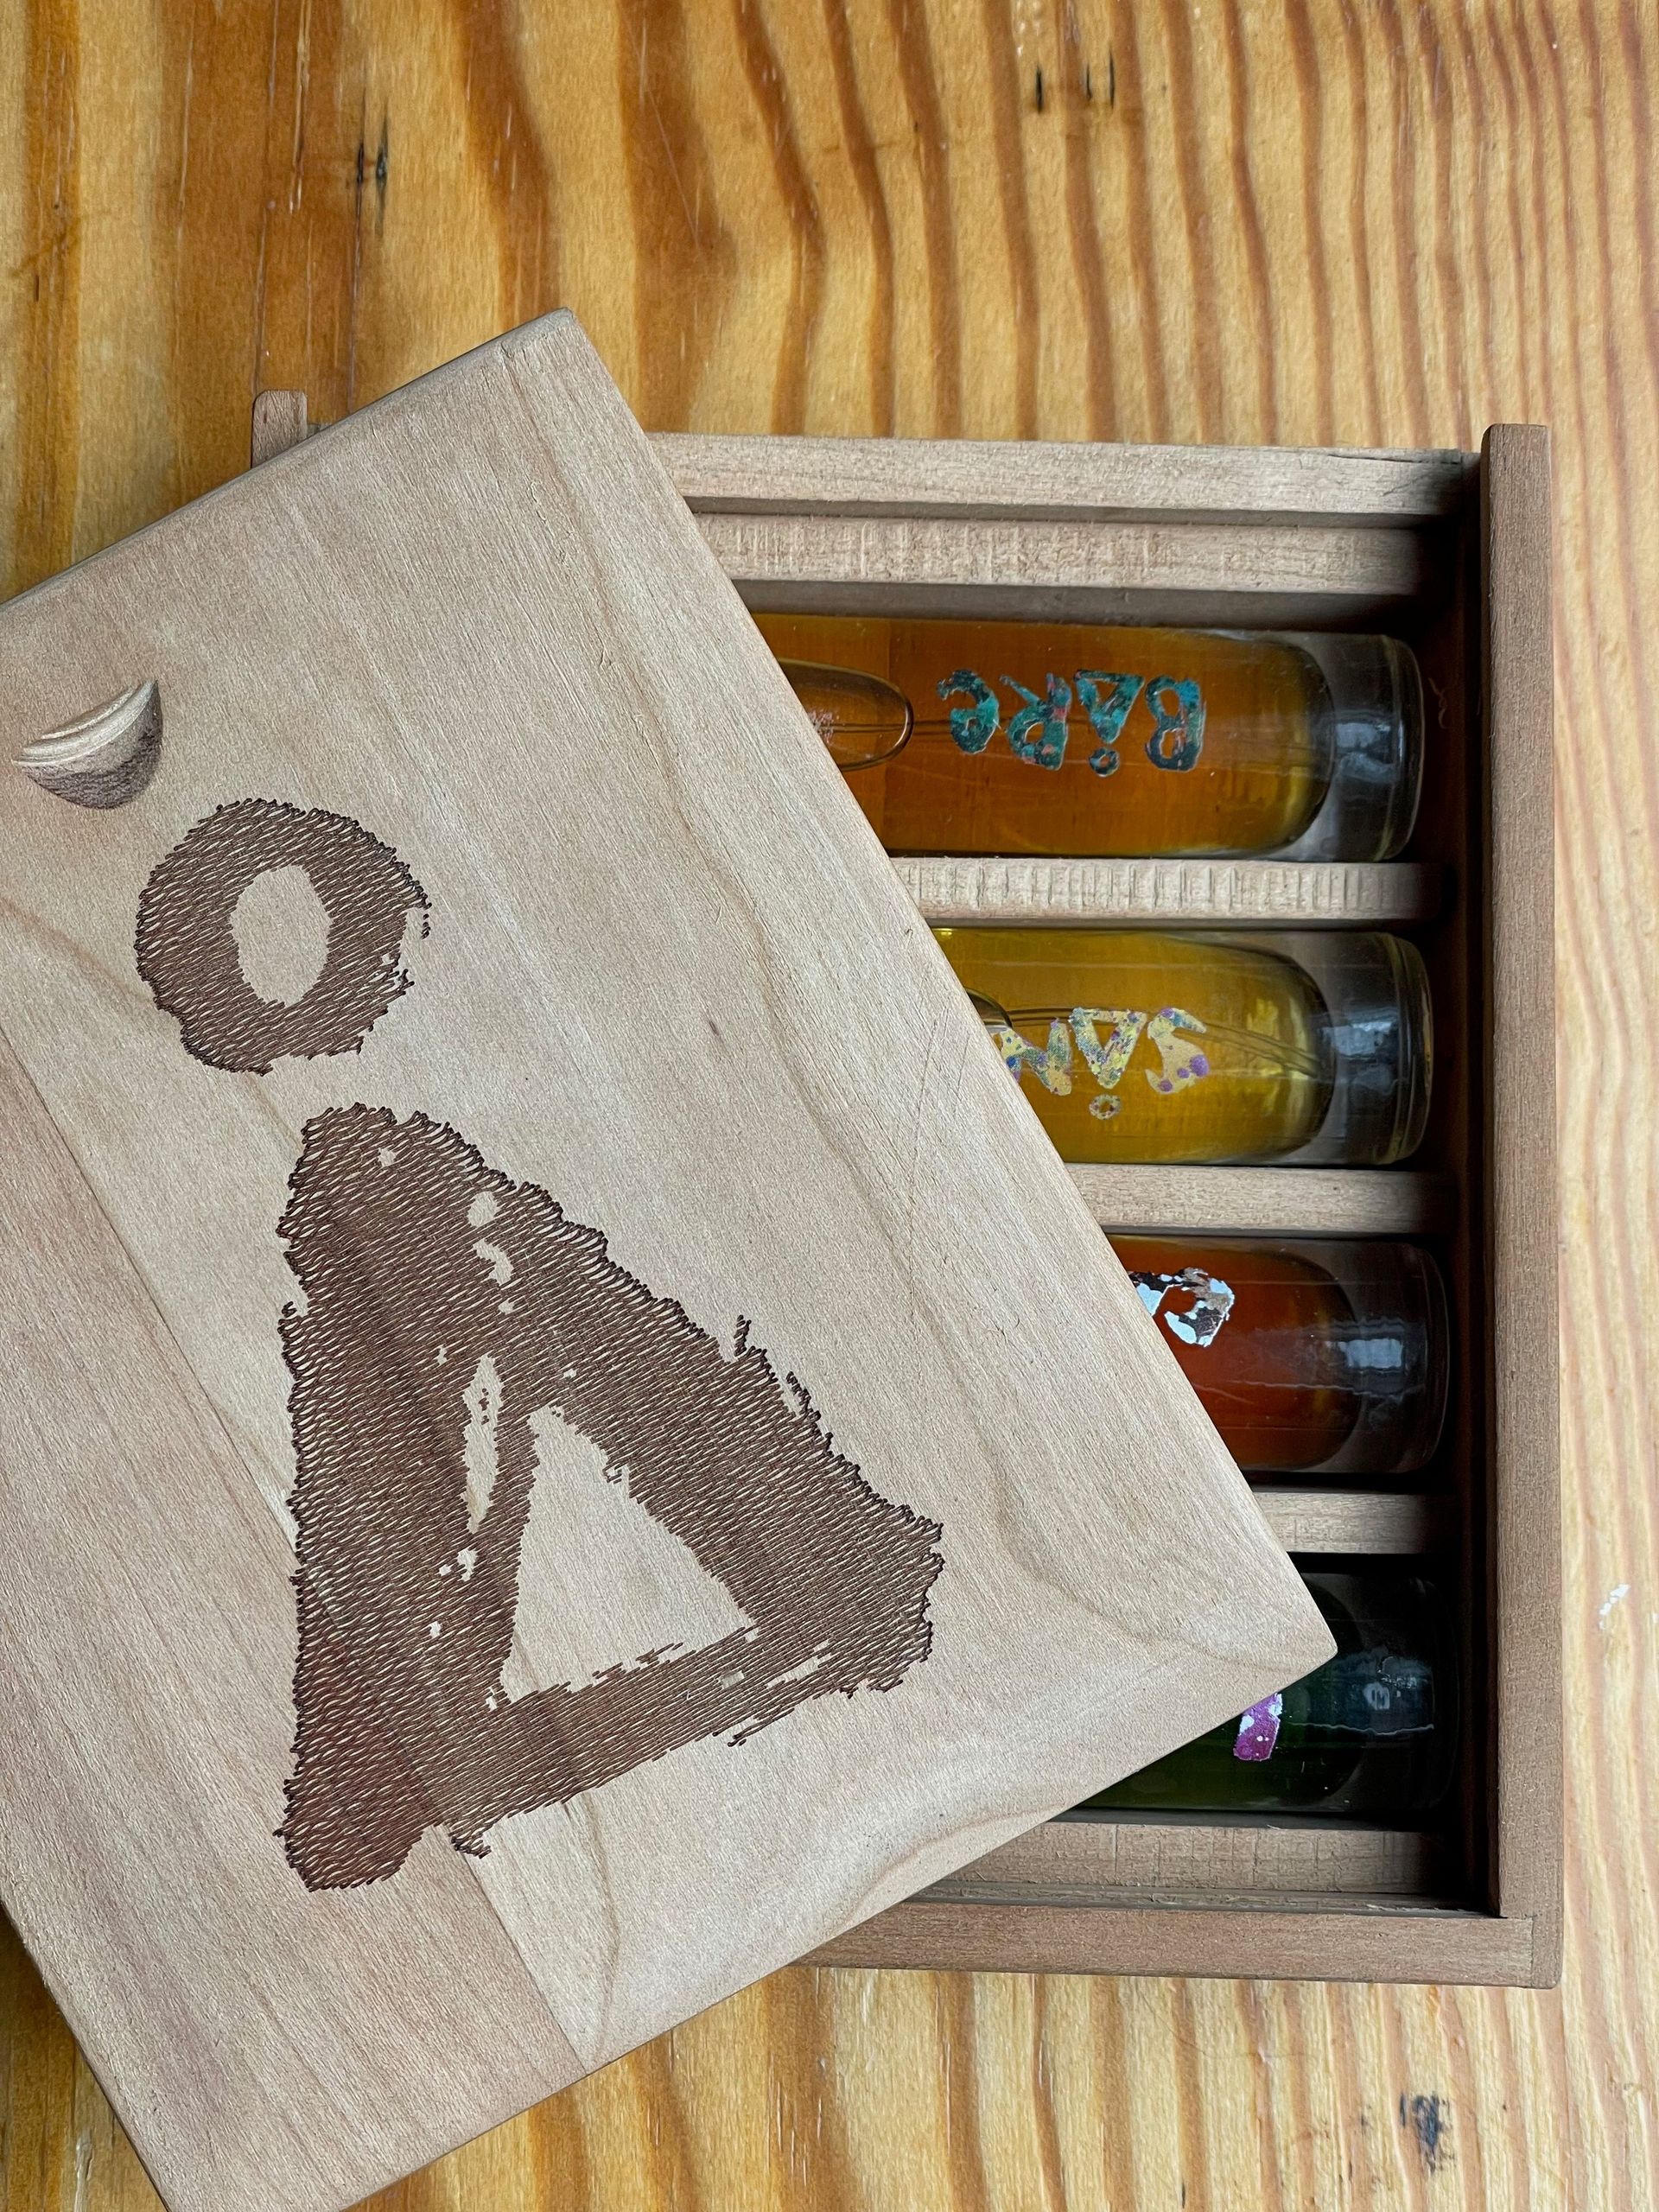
<point x="186" y="941"/>
<point x="443" y="1309"/>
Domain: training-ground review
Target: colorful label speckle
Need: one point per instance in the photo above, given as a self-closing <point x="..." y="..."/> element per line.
<point x="1106" y="1055"/>
<point x="1212" y="1300"/>
<point x="1050" y="1063"/>
<point x="1258" y="1729"/>
<point x="1180" y="1067"/>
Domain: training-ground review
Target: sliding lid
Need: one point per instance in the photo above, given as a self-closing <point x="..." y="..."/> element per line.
<point x="566" y="1435"/>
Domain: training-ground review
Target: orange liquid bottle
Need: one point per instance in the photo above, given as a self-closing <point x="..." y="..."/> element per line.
<point x="1167" y="1044"/>
<point x="1319" y="1356"/>
<point x="1068" y="738"/>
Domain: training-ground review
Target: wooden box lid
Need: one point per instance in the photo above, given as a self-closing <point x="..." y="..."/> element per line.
<point x="566" y="1435"/>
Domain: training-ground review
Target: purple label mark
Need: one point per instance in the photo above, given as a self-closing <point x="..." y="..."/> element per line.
<point x="1107" y="1058"/>
<point x="1176" y="1072"/>
<point x="1258" y="1729"/>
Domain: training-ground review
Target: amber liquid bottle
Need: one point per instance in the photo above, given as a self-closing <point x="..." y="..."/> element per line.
<point x="1165" y="1045"/>
<point x="1327" y="1356"/>
<point x="1067" y="738"/>
<point x="1371" y="1734"/>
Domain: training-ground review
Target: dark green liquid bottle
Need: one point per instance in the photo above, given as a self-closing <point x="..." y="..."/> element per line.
<point x="1371" y="1734"/>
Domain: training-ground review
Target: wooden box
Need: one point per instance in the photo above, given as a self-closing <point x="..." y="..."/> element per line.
<point x="1450" y="551"/>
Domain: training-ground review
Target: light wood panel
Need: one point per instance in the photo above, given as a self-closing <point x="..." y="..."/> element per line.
<point x="1520" y="1170"/>
<point x="711" y="1639"/>
<point x="1377" y="1522"/>
<point x="981" y="479"/>
<point x="1243" y="1201"/>
<point x="1266" y="220"/>
<point x="1276" y="577"/>
<point x="1082" y="1859"/>
<point x="280" y="420"/>
<point x="1387" y="1939"/>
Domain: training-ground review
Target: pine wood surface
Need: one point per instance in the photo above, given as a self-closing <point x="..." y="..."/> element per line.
<point x="1249" y="220"/>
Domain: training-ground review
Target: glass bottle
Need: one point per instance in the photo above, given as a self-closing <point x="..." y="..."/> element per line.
<point x="1167" y="1044"/>
<point x="1330" y="1356"/>
<point x="977" y="736"/>
<point x="1371" y="1734"/>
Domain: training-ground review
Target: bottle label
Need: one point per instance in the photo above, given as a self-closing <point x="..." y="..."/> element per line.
<point x="1040" y="727"/>
<point x="1258" y="1729"/>
<point x="1106" y="1038"/>
<point x="1197" y="1323"/>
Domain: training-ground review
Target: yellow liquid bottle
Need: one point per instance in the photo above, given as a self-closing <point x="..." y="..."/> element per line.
<point x="1070" y="738"/>
<point x="1162" y="1045"/>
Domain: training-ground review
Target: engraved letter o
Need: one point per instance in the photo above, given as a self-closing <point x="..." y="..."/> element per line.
<point x="187" y="948"/>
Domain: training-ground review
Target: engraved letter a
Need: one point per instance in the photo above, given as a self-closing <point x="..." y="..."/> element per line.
<point x="422" y="1268"/>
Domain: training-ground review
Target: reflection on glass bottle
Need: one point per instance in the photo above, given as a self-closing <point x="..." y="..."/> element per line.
<point x="1043" y="737"/>
<point x="1148" y="1044"/>
<point x="1372" y="1733"/>
<point x="1328" y="1356"/>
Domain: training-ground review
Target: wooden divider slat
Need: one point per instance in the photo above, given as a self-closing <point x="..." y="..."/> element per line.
<point x="1285" y="573"/>
<point x="1278" y="1201"/>
<point x="1084" y="1856"/>
<point x="983" y="478"/>
<point x="1278" y="893"/>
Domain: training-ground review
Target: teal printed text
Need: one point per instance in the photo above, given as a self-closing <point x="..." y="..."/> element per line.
<point x="1038" y="728"/>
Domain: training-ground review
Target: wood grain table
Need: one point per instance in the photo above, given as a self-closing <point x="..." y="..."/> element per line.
<point x="1379" y="222"/>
